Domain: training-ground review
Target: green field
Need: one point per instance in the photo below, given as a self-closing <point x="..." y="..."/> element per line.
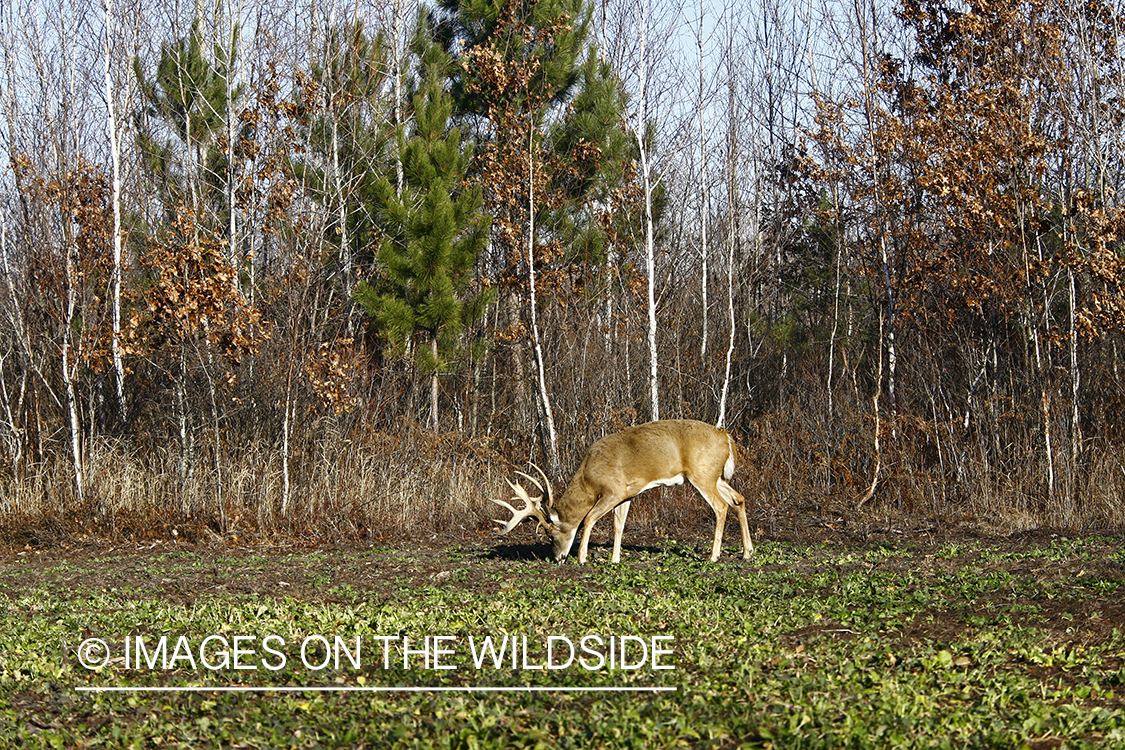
<point x="908" y="643"/>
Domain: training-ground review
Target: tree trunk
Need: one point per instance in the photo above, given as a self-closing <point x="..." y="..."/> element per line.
<point x="650" y="253"/>
<point x="115" y="156"/>
<point x="551" y="441"/>
<point x="186" y="442"/>
<point x="286" y="430"/>
<point x="1075" y="384"/>
<point x="73" y="422"/>
<point x="703" y="203"/>
<point x="732" y="232"/>
<point x="434" y="386"/>
<point x="396" y="34"/>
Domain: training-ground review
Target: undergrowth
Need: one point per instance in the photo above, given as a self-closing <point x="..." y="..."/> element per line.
<point x="804" y="646"/>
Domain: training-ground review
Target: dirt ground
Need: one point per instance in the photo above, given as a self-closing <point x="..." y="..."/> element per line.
<point x="1066" y="608"/>
<point x="181" y="572"/>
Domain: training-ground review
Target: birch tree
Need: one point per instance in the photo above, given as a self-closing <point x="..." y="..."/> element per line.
<point x="641" y="132"/>
<point x="113" y="131"/>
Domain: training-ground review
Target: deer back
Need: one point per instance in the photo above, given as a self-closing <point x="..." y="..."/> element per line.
<point x="627" y="463"/>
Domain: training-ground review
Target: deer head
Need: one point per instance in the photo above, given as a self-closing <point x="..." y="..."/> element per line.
<point x="621" y="466"/>
<point x="533" y="507"/>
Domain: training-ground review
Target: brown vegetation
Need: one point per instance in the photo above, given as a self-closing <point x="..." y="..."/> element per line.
<point x="924" y="281"/>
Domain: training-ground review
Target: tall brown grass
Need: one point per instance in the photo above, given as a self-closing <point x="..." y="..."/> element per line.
<point x="345" y="487"/>
<point x="808" y="456"/>
<point x="799" y="467"/>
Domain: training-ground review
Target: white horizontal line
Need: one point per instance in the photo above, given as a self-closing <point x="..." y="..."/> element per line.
<point x="370" y="689"/>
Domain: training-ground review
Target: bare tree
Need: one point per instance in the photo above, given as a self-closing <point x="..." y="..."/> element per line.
<point x="552" y="444"/>
<point x="733" y="211"/>
<point x="704" y="206"/>
<point x="113" y="131"/>
<point x="641" y="131"/>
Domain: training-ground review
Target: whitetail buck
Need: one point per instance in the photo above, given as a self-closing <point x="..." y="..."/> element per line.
<point x="623" y="465"/>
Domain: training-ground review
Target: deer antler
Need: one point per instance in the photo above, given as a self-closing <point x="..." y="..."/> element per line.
<point x="533" y="506"/>
<point x="546" y="483"/>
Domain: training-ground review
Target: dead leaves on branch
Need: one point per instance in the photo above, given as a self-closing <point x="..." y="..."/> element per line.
<point x="491" y="72"/>
<point x="70" y="257"/>
<point x="956" y="163"/>
<point x="331" y="373"/>
<point x="1093" y="234"/>
<point x="194" y="294"/>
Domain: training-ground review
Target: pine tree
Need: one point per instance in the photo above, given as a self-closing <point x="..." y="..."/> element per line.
<point x="551" y="156"/>
<point x="530" y="88"/>
<point x="600" y="160"/>
<point x="189" y="95"/>
<point x="425" y="297"/>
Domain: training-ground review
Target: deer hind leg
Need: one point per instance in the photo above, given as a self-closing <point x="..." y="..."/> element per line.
<point x="718" y="502"/>
<point x="732" y="496"/>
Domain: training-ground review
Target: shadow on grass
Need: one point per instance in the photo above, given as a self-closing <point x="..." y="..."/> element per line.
<point x="520" y="552"/>
<point x="542" y="552"/>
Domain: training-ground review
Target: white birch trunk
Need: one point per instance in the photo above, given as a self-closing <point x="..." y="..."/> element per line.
<point x="73" y="424"/>
<point x="732" y="230"/>
<point x="115" y="156"/>
<point x="397" y="25"/>
<point x="731" y="242"/>
<point x="1075" y="384"/>
<point x="233" y="59"/>
<point x="286" y="428"/>
<point x="650" y="252"/>
<point x="434" y="386"/>
<point x="545" y="399"/>
<point x="703" y="203"/>
<point x="341" y="207"/>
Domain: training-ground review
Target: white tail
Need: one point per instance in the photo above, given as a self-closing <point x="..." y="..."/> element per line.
<point x="623" y="465"/>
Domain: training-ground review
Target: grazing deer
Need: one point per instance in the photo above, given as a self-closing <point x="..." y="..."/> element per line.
<point x="623" y="465"/>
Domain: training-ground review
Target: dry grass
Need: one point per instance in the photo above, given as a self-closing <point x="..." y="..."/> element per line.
<point x="412" y="483"/>
<point x="800" y="467"/>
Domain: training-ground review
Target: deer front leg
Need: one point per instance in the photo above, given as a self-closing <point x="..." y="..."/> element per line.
<point x="583" y="547"/>
<point x="620" y="513"/>
<point x="605" y="504"/>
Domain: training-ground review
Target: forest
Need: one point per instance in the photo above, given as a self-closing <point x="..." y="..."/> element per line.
<point x="338" y="269"/>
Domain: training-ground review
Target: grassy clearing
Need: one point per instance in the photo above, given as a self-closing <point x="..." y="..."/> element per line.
<point x="961" y="644"/>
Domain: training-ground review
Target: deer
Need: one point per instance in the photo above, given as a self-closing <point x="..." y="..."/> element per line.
<point x="621" y="466"/>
